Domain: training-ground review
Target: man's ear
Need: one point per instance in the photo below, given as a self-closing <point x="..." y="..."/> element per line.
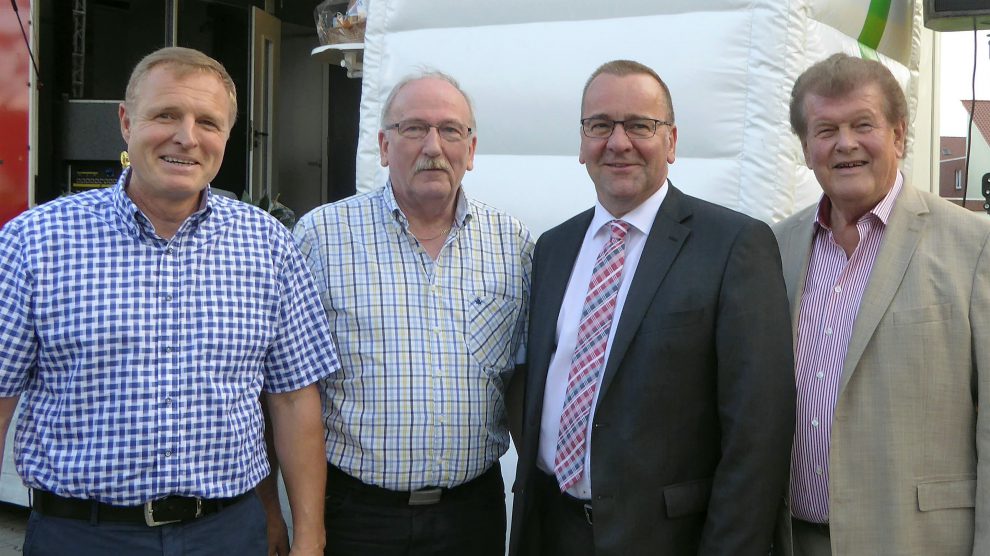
<point x="125" y="122"/>
<point x="383" y="148"/>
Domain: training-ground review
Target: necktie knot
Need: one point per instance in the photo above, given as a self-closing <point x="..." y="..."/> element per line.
<point x="619" y="229"/>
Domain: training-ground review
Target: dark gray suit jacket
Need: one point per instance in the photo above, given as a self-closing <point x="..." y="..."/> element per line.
<point x="692" y="433"/>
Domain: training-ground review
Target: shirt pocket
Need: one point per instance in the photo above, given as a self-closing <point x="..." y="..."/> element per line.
<point x="947" y="493"/>
<point x="491" y="319"/>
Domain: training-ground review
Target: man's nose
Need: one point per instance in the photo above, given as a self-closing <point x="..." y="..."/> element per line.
<point x="432" y="142"/>
<point x="619" y="141"/>
<point x="185" y="132"/>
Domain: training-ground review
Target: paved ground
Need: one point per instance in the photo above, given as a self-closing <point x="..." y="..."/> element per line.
<point x="13" y="519"/>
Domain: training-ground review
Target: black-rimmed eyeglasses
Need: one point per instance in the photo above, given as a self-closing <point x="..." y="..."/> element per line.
<point x="640" y="128"/>
<point x="418" y="129"/>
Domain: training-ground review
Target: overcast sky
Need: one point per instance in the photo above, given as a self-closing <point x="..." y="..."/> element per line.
<point x="957" y="76"/>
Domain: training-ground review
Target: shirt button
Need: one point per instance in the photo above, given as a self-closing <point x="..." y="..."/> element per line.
<point x="168" y="349"/>
<point x="819" y="470"/>
<point x="169" y="251"/>
<point x="828" y="330"/>
<point x="838" y="289"/>
<point x="168" y="453"/>
<point x="814" y="422"/>
<point x="168" y="297"/>
<point x="820" y="374"/>
<point x="168" y="401"/>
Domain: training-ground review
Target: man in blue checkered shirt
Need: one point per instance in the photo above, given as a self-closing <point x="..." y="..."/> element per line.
<point x="139" y="326"/>
<point x="426" y="292"/>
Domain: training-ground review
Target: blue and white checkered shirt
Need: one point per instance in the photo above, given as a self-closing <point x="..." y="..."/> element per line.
<point x="426" y="346"/>
<point x="139" y="361"/>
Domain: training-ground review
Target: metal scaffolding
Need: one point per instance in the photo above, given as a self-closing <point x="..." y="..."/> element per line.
<point x="78" y="47"/>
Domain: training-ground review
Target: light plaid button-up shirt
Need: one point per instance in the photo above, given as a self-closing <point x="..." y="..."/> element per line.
<point x="139" y="361"/>
<point x="426" y="346"/>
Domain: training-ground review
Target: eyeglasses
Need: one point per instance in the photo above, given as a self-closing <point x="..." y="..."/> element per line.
<point x="418" y="129"/>
<point x="639" y="128"/>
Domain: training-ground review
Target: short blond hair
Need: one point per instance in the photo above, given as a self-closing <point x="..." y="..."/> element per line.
<point x="182" y="61"/>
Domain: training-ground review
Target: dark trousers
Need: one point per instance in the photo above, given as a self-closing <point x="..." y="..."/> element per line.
<point x="364" y="520"/>
<point x="238" y="529"/>
<point x="810" y="539"/>
<point x="565" y="523"/>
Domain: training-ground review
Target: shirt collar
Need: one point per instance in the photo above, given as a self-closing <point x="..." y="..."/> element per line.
<point x="641" y="218"/>
<point x="462" y="210"/>
<point x="881" y="211"/>
<point x="135" y="222"/>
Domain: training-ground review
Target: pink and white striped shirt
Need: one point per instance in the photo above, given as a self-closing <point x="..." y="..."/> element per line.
<point x="829" y="304"/>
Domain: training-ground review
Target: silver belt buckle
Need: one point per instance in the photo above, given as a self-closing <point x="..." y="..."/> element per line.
<point x="425" y="497"/>
<point x="149" y="514"/>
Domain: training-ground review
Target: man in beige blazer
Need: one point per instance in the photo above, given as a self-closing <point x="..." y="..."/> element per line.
<point x="890" y="298"/>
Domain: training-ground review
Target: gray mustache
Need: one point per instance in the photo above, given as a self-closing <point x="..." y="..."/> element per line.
<point x="432" y="164"/>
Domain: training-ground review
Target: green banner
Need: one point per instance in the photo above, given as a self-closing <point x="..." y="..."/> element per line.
<point x="873" y="28"/>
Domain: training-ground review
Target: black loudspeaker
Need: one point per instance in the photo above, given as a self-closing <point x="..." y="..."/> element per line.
<point x="957" y="15"/>
<point x="985" y="182"/>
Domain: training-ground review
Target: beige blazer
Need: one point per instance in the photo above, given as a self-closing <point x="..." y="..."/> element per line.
<point x="904" y="475"/>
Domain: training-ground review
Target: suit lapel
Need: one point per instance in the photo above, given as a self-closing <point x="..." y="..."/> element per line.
<point x="666" y="238"/>
<point x="904" y="230"/>
<point x="796" y="255"/>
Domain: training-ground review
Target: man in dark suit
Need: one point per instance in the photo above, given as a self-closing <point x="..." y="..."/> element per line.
<point x="658" y="404"/>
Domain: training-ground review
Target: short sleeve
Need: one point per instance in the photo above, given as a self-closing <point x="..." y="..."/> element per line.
<point x="303" y="351"/>
<point x="18" y="343"/>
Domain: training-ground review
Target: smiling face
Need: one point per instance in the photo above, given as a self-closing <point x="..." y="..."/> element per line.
<point x="852" y="148"/>
<point x="627" y="171"/>
<point x="176" y="131"/>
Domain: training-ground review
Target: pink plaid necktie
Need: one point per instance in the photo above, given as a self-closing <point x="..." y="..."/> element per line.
<point x="589" y="356"/>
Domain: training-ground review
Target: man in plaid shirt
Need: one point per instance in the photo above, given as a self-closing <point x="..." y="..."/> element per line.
<point x="139" y="325"/>
<point x="426" y="292"/>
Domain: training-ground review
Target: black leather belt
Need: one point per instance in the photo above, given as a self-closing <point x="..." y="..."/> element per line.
<point x="566" y="502"/>
<point x="340" y="482"/>
<point x="171" y="509"/>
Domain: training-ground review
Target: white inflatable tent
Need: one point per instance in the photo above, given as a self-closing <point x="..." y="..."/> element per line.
<point x="730" y="65"/>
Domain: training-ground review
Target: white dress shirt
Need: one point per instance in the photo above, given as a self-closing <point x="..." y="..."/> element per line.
<point x="641" y="220"/>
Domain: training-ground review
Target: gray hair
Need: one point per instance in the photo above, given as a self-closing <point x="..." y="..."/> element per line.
<point x="420" y="75"/>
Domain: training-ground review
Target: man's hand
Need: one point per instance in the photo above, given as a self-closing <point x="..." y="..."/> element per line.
<point x="278" y="536"/>
<point x="278" y="533"/>
<point x="7" y="406"/>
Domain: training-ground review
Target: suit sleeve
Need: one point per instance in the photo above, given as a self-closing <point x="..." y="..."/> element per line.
<point x="756" y="398"/>
<point x="979" y="311"/>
